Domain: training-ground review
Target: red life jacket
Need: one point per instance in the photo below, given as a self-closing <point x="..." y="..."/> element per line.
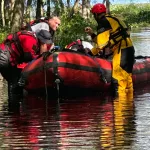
<point x="14" y="38"/>
<point x="77" y="42"/>
<point x="22" y="48"/>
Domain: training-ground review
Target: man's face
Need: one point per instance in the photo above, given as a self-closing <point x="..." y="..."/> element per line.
<point x="54" y="23"/>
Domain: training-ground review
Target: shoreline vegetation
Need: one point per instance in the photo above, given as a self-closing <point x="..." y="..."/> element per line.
<point x="135" y="16"/>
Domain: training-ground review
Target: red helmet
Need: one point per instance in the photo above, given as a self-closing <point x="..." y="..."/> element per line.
<point x="98" y="8"/>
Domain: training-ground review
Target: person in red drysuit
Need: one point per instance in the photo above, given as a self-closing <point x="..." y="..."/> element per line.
<point x="23" y="46"/>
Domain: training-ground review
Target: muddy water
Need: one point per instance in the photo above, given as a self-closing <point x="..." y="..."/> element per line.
<point x="85" y="122"/>
<point x="90" y="122"/>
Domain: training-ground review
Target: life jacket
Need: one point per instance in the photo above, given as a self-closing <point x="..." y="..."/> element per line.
<point x="14" y="39"/>
<point x="118" y="30"/>
<point x="121" y="33"/>
<point x="77" y="43"/>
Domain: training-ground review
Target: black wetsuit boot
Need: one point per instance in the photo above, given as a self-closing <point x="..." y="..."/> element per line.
<point x="15" y="93"/>
<point x="13" y="99"/>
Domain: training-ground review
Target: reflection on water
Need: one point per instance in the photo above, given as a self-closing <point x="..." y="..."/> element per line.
<point x="87" y="122"/>
<point x="124" y="123"/>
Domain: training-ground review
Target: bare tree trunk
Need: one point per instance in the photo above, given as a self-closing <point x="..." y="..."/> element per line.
<point x="28" y="10"/>
<point x="107" y="6"/>
<point x="48" y="8"/>
<point x="61" y="5"/>
<point x="85" y="8"/>
<point x="6" y="11"/>
<point x="57" y="9"/>
<point x="17" y="15"/>
<point x="2" y="12"/>
<point x="11" y="6"/>
<point x="68" y="3"/>
<point x="74" y="7"/>
<point x="38" y="9"/>
<point x="42" y="6"/>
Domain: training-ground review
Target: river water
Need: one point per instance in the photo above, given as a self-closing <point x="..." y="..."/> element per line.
<point x="91" y="122"/>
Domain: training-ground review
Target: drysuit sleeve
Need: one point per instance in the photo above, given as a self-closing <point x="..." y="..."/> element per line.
<point x="102" y="40"/>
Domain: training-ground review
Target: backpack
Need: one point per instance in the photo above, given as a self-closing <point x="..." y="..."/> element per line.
<point x="28" y="25"/>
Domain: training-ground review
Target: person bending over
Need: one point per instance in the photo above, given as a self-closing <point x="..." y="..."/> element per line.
<point x="22" y="46"/>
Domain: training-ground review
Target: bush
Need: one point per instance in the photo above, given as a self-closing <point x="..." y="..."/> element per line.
<point x="135" y="15"/>
<point x="71" y="29"/>
<point x="3" y="33"/>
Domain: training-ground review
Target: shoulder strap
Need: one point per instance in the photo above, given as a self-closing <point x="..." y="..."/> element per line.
<point x="16" y="39"/>
<point x="30" y="33"/>
<point x="116" y="19"/>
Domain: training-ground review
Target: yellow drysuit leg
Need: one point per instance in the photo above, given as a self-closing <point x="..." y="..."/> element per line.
<point x="122" y="69"/>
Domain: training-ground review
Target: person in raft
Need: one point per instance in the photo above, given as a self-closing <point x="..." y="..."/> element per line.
<point x="112" y="33"/>
<point x="22" y="46"/>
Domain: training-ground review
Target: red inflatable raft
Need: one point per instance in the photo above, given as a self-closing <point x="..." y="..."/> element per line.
<point x="74" y="69"/>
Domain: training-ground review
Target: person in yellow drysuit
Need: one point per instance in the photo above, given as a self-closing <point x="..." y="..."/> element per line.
<point x="112" y="33"/>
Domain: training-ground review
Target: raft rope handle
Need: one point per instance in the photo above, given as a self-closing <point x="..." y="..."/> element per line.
<point x="45" y="56"/>
<point x="45" y="81"/>
<point x="57" y="81"/>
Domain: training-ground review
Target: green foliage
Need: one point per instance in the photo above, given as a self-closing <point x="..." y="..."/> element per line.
<point x="135" y="15"/>
<point x="3" y="33"/>
<point x="71" y="29"/>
